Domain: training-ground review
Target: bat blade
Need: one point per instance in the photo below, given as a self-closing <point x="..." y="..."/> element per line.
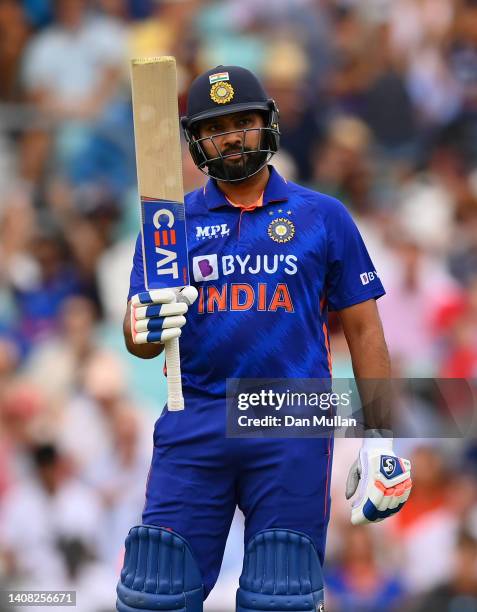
<point x="160" y="185"/>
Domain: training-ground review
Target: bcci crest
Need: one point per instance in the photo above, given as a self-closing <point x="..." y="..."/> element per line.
<point x="222" y="92"/>
<point x="281" y="230"/>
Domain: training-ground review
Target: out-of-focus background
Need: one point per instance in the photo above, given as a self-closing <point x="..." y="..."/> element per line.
<point x="378" y="103"/>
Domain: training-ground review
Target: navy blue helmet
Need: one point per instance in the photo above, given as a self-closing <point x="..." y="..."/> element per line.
<point x="224" y="90"/>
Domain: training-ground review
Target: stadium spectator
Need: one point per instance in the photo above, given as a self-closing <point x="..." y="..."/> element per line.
<point x="92" y="408"/>
<point x="66" y="353"/>
<point x="460" y="592"/>
<point x="38" y="297"/>
<point x="360" y="582"/>
<point x="71" y="73"/>
<point x="119" y="478"/>
<point x="61" y="505"/>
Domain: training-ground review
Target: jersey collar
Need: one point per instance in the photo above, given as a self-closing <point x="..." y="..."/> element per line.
<point x="275" y="191"/>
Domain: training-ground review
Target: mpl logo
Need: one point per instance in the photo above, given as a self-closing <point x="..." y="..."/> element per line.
<point x="212" y="231"/>
<point x="205" y="268"/>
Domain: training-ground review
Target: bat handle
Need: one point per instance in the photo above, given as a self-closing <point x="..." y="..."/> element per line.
<point x="175" y="399"/>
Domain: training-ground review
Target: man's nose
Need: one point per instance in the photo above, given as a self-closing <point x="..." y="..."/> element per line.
<point x="232" y="140"/>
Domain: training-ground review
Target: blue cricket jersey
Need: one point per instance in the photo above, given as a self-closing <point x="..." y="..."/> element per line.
<point x="266" y="279"/>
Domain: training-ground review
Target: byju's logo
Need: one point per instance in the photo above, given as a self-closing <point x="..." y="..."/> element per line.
<point x="205" y="268"/>
<point x="368" y="277"/>
<point x="212" y="231"/>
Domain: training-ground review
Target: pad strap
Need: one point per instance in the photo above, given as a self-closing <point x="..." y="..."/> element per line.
<point x="281" y="572"/>
<point x="159" y="573"/>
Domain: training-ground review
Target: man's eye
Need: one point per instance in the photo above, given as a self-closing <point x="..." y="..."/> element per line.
<point x="245" y="122"/>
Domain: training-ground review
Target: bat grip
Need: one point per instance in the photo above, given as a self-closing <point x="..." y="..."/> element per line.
<point x="175" y="399"/>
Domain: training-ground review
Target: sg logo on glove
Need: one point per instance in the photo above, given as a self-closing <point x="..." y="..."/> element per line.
<point x="389" y="466"/>
<point x="382" y="484"/>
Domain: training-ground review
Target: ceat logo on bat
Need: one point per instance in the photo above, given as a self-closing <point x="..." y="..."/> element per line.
<point x="164" y="243"/>
<point x="165" y="235"/>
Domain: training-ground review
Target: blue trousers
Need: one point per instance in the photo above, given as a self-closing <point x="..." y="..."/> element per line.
<point x="198" y="477"/>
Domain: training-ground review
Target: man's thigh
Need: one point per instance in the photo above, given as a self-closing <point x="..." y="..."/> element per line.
<point x="191" y="490"/>
<point x="285" y="484"/>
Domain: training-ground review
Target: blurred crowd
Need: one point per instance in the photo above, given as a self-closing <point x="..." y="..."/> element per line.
<point x="378" y="106"/>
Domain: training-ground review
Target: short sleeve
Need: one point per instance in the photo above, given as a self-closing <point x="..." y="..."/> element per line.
<point x="107" y="39"/>
<point x="36" y="71"/>
<point x="136" y="282"/>
<point x="351" y="275"/>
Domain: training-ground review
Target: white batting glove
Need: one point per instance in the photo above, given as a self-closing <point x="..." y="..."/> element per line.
<point x="382" y="482"/>
<point x="158" y="315"/>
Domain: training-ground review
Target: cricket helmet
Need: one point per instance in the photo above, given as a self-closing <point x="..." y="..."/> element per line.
<point x="224" y="90"/>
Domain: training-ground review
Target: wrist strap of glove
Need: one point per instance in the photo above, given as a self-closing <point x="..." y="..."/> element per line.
<point x="381" y="439"/>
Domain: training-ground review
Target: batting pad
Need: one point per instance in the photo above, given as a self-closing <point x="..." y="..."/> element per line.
<point x="159" y="573"/>
<point x="281" y="572"/>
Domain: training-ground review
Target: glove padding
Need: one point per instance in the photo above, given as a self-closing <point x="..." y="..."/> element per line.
<point x="382" y="482"/>
<point x="158" y="315"/>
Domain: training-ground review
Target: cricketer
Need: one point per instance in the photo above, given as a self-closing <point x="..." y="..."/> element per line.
<point x="269" y="259"/>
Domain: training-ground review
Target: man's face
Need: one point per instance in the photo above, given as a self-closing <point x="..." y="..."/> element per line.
<point x="70" y="13"/>
<point x="229" y="137"/>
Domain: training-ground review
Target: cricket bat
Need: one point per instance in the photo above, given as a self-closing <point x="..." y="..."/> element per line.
<point x="161" y="190"/>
